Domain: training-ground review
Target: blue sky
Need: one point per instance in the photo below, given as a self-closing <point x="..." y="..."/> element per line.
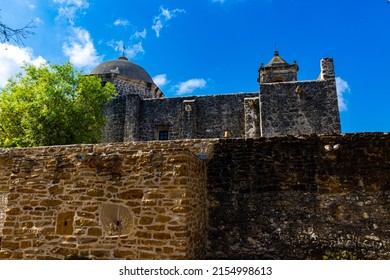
<point x="199" y="47"/>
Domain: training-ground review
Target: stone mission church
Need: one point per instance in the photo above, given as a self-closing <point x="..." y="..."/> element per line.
<point x="283" y="106"/>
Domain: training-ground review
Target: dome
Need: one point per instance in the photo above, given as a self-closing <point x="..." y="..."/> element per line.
<point x="123" y="67"/>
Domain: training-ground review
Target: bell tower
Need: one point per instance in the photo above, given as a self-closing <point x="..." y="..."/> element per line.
<point x="278" y="70"/>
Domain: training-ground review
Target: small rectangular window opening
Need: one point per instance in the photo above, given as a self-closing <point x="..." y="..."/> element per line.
<point x="163" y="135"/>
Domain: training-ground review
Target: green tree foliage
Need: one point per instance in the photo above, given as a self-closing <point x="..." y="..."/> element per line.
<point x="52" y="105"/>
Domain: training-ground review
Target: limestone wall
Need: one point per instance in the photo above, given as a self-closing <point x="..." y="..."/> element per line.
<point x="3" y="207"/>
<point x="304" y="197"/>
<point x="294" y="108"/>
<point x="125" y="85"/>
<point x="308" y="197"/>
<point x="304" y="107"/>
<point x="102" y="202"/>
<point x="196" y="117"/>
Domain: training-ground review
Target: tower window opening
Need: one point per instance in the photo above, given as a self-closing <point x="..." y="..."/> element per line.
<point x="163" y="135"/>
<point x="278" y="80"/>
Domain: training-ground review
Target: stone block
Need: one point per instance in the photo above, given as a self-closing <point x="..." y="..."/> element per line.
<point x="51" y="202"/>
<point x="101" y="254"/>
<point x="94" y="192"/>
<point x="162" y="236"/>
<point x="13" y="211"/>
<point x="25" y="244"/>
<point x="64" y="223"/>
<point x="145" y="220"/>
<point x="5" y="255"/>
<point x="87" y="240"/>
<point x="156" y="227"/>
<point x="163" y="219"/>
<point x="181" y="209"/>
<point x="123" y="254"/>
<point x="94" y="231"/>
<point x="10" y="245"/>
<point x="131" y="194"/>
<point x="143" y="234"/>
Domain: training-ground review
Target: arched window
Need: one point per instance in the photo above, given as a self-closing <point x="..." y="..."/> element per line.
<point x="278" y="80"/>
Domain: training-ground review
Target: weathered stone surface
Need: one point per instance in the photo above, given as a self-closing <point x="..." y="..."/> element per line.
<point x="283" y="106"/>
<point x="95" y="192"/>
<point x="94" y="231"/>
<point x="51" y="202"/>
<point x="294" y="198"/>
<point x="307" y="197"/>
<point x="132" y="118"/>
<point x="304" y="107"/>
<point x="131" y="194"/>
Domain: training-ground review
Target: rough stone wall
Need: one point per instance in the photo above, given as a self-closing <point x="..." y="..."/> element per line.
<point x="286" y="112"/>
<point x="125" y="85"/>
<point x="306" y="197"/>
<point x="131" y="86"/>
<point x="5" y="173"/>
<point x="202" y="117"/>
<point x="309" y="197"/>
<point x="115" y="112"/>
<point x="305" y="107"/>
<point x="273" y="73"/>
<point x="103" y="202"/>
<point x="3" y="207"/>
<point x="285" y="108"/>
<point x="252" y="118"/>
<point x="194" y="117"/>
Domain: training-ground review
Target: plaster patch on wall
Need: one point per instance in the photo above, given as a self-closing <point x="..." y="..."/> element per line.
<point x="3" y="205"/>
<point x="117" y="220"/>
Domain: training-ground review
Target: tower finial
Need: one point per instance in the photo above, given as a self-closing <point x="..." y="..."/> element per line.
<point x="276" y="52"/>
<point x="123" y="50"/>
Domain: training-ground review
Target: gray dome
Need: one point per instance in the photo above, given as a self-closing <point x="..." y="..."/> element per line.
<point x="123" y="67"/>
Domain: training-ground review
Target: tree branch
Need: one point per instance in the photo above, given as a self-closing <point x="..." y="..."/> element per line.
<point x="17" y="35"/>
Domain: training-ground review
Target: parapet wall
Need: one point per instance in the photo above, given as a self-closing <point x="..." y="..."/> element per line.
<point x="102" y="202"/>
<point x="304" y="107"/>
<point x="295" y="108"/>
<point x="304" y="197"/>
<point x="192" y="117"/>
<point x="309" y="197"/>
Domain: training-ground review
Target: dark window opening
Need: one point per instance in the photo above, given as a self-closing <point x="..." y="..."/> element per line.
<point x="163" y="135"/>
<point x="278" y="80"/>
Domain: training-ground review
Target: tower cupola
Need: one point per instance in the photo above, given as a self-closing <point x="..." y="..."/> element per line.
<point x="278" y="70"/>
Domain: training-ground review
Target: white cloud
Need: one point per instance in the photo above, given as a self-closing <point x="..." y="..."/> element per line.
<point x="81" y="50"/>
<point x="69" y="8"/>
<point x="157" y="26"/>
<point x="342" y="90"/>
<point x="116" y="45"/>
<point x="12" y="58"/>
<point x="31" y="6"/>
<point x="75" y="3"/>
<point x="161" y="20"/>
<point x="140" y="34"/>
<point x="38" y="21"/>
<point x="134" y="50"/>
<point x="230" y="1"/>
<point x="130" y="52"/>
<point x="160" y="80"/>
<point x="189" y="86"/>
<point x="121" y="22"/>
